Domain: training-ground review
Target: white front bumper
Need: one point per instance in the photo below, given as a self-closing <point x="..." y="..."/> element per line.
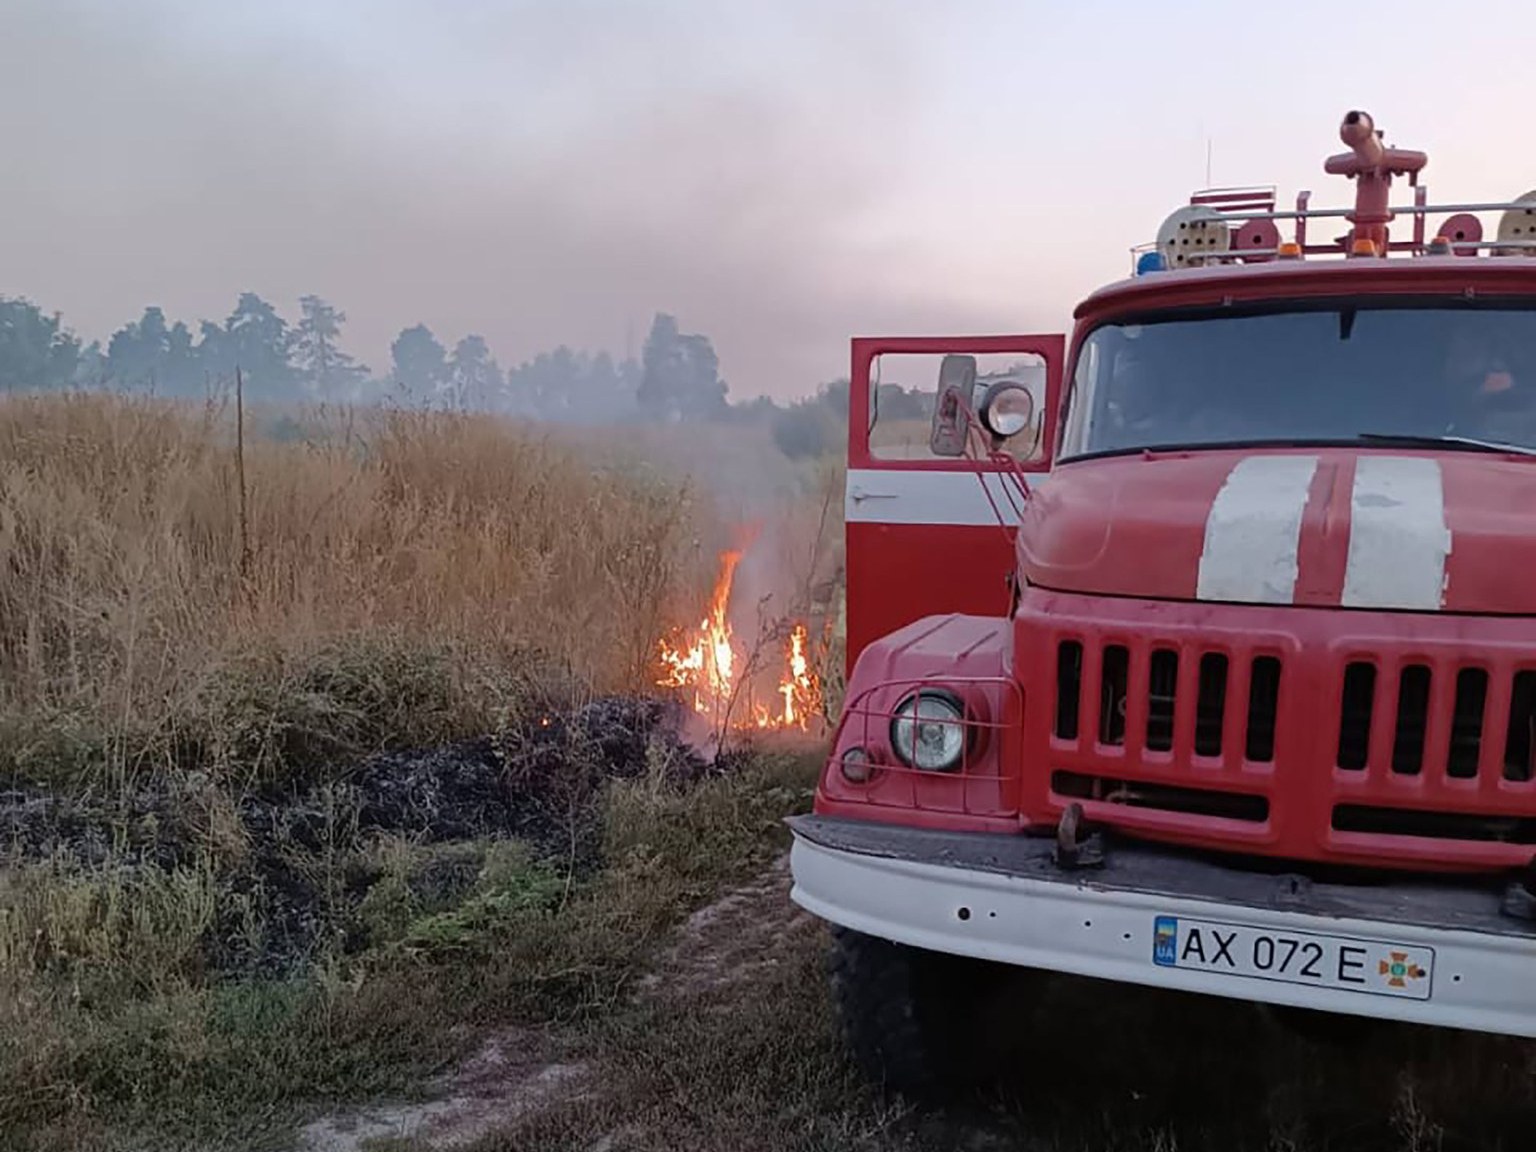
<point x="1485" y="982"/>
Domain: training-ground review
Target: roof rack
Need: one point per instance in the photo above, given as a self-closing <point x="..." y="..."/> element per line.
<point x="1248" y="201"/>
<point x="1241" y="225"/>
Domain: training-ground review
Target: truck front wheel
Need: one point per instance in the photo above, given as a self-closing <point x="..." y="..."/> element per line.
<point x="921" y="1022"/>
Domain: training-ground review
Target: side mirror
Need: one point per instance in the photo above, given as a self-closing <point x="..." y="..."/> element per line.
<point x="951" y="411"/>
<point x="1007" y="409"/>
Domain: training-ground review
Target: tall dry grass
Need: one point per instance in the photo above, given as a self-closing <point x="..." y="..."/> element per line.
<point x="394" y="561"/>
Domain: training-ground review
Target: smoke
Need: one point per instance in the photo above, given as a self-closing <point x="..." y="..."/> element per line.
<point x="537" y="173"/>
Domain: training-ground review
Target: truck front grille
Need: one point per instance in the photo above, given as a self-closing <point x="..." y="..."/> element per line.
<point x="1438" y="718"/>
<point x="1106" y="682"/>
<point x="1307" y="735"/>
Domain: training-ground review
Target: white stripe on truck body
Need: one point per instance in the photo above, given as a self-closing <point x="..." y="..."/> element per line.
<point x="1253" y="532"/>
<point x="1398" y="538"/>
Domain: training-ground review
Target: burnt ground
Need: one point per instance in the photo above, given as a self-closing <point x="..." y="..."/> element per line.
<point x="635" y="978"/>
<point x="293" y="863"/>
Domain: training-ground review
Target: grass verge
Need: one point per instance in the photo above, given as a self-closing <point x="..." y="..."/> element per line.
<point x="130" y="1043"/>
<point x="754" y="1062"/>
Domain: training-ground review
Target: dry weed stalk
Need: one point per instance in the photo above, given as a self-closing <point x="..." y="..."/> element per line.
<point x="148" y="548"/>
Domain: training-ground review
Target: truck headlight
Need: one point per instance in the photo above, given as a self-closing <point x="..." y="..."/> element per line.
<point x="928" y="730"/>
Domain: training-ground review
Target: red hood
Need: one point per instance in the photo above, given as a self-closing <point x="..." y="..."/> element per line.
<point x="1449" y="532"/>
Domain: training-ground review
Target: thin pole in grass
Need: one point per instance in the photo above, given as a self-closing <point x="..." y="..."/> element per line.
<point x="245" y="538"/>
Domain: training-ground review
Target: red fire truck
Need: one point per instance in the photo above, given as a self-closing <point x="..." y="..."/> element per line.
<point x="1226" y="681"/>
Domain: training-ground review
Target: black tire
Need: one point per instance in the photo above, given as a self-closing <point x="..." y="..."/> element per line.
<point x="925" y="1023"/>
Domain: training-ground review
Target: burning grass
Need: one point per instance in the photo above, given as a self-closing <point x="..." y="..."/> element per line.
<point x="382" y="584"/>
<point x="320" y="754"/>
<point x="727" y="684"/>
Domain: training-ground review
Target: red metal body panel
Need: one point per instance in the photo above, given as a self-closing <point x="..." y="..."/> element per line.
<point x="899" y="572"/>
<point x="1490" y="505"/>
<point x="1135" y="526"/>
<point x="1125" y="526"/>
<point x="1444" y="276"/>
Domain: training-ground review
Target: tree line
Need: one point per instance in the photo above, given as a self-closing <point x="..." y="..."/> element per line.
<point x="303" y="361"/>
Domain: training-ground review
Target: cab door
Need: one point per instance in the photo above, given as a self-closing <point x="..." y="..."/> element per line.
<point x="921" y="535"/>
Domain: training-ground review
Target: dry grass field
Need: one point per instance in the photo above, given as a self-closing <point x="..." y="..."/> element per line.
<point x="334" y="814"/>
<point x="158" y="596"/>
<point x="321" y="752"/>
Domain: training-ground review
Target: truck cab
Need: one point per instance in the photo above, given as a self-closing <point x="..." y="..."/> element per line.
<point x="1224" y="681"/>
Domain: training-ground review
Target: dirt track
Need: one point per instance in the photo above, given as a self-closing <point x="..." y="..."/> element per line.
<point x="517" y="1073"/>
<point x="734" y="1000"/>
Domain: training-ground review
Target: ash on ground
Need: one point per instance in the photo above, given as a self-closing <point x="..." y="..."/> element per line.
<point x="296" y="862"/>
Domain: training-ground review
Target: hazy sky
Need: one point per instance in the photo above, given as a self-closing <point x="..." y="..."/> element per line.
<point x="780" y="174"/>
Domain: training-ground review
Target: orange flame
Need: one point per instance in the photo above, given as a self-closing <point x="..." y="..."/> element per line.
<point x="801" y="688"/>
<point x="706" y="661"/>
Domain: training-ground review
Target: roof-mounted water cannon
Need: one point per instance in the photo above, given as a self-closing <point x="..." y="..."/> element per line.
<point x="1372" y="165"/>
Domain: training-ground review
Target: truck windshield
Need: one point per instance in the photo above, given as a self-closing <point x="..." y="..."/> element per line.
<point x="1341" y="374"/>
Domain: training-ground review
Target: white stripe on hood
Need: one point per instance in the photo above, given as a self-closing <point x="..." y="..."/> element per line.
<point x="1253" y="531"/>
<point x="1398" y="539"/>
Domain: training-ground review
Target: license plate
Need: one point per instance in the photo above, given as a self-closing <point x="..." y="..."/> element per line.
<point x="1376" y="967"/>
